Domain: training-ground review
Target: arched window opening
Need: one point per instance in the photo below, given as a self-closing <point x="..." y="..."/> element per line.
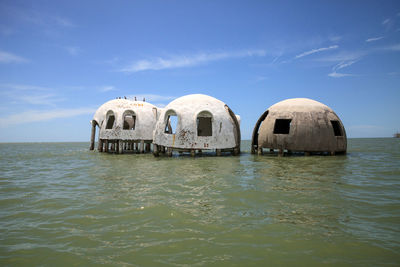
<point x="110" y="121"/>
<point x="129" y="121"/>
<point x="204" y="124"/>
<point x="171" y="123"/>
<point x="337" y="130"/>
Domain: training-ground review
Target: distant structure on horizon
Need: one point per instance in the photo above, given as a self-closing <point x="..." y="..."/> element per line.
<point x="124" y="126"/>
<point x="299" y="125"/>
<point x="396" y="135"/>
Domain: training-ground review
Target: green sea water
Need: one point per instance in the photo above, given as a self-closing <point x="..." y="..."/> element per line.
<point x="63" y="205"/>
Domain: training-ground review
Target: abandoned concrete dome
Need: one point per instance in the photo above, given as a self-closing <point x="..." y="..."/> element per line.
<point x="125" y="125"/>
<point x="194" y="123"/>
<point x="299" y="125"/>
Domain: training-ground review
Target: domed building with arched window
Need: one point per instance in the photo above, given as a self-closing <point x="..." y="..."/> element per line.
<point x="299" y="125"/>
<point x="124" y="125"/>
<point x="194" y="123"/>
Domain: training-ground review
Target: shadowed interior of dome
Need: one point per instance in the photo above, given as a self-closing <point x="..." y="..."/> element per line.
<point x="282" y="126"/>
<point x="110" y="122"/>
<point x="336" y="128"/>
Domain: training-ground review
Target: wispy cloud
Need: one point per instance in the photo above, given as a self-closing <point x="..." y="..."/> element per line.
<point x="30" y="94"/>
<point x="64" y="22"/>
<point x="395" y="47"/>
<point x="307" y="53"/>
<point x="23" y="87"/>
<point x="339" y="75"/>
<point x="107" y="88"/>
<point x="73" y="50"/>
<point x="187" y="60"/>
<point x="341" y="65"/>
<point x="335" y="38"/>
<point x="6" y="57"/>
<point x="342" y="56"/>
<point x="47" y="100"/>
<point x="386" y="21"/>
<point x="374" y="39"/>
<point x="36" y="115"/>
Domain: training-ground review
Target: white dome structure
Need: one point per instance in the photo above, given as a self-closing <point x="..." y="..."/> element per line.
<point x="197" y="122"/>
<point x="299" y="125"/>
<point x="125" y="124"/>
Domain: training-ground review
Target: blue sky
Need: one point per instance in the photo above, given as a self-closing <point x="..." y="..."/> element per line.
<point x="60" y="60"/>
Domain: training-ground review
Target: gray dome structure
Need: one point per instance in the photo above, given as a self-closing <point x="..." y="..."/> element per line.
<point x="197" y="122"/>
<point x="124" y="125"/>
<point x="299" y="125"/>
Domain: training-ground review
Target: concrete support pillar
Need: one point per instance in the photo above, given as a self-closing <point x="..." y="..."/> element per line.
<point x="106" y="145"/>
<point x="260" y="151"/>
<point x="155" y="150"/>
<point x="218" y="152"/>
<point x="169" y="152"/>
<point x="121" y="146"/>
<point x="92" y="136"/>
<point x="100" y="145"/>
<point x="142" y="146"/>
<point x="280" y="152"/>
<point x="113" y="146"/>
<point x="193" y="152"/>
<point x="236" y="151"/>
<point x="333" y="153"/>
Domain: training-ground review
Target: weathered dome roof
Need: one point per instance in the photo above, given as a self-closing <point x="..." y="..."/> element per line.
<point x="124" y="119"/>
<point x="300" y="124"/>
<point x="225" y="134"/>
<point x="196" y="101"/>
<point x="114" y="105"/>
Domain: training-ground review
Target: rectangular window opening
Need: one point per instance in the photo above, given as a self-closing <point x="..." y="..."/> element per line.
<point x="337" y="130"/>
<point x="171" y="125"/>
<point x="282" y="126"/>
<point x="204" y="126"/>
